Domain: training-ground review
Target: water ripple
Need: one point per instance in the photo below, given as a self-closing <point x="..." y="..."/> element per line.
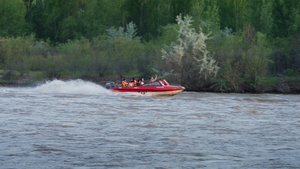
<point x="81" y="125"/>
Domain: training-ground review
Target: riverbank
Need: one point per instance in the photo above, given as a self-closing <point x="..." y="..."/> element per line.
<point x="270" y="84"/>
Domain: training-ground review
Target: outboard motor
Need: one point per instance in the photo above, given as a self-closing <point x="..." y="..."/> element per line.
<point x="108" y="85"/>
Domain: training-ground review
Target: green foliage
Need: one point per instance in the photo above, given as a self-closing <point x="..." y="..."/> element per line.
<point x="11" y="75"/>
<point x="232" y="13"/>
<point x="97" y="16"/>
<point x="285" y="17"/>
<point x="259" y="14"/>
<point x="151" y="15"/>
<point x="65" y="20"/>
<point x="169" y="34"/>
<point x="12" y="18"/>
<point x="68" y="27"/>
<point x="243" y="64"/>
<point x="79" y="57"/>
<point x="13" y="50"/>
<point x="206" y="15"/>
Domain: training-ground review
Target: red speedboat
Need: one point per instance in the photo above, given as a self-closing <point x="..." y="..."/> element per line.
<point x="156" y="88"/>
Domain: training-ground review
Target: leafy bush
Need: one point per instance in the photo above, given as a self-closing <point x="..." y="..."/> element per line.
<point x="188" y="56"/>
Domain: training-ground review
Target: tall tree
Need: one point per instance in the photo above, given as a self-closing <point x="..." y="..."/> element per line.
<point x="151" y="15"/>
<point x="259" y="14"/>
<point x="285" y="17"/>
<point x="98" y="16"/>
<point x="12" y="17"/>
<point x="68" y="19"/>
<point x="206" y="14"/>
<point x="232" y="13"/>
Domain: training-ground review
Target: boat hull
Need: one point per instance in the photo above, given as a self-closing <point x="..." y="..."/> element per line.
<point x="156" y="88"/>
<point x="151" y="91"/>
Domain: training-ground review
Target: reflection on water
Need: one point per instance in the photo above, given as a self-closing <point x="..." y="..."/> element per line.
<point x="78" y="124"/>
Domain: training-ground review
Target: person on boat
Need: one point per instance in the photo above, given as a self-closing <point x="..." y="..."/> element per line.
<point x="152" y="79"/>
<point x="138" y="83"/>
<point x="124" y="83"/>
<point x="132" y="83"/>
<point x="142" y="82"/>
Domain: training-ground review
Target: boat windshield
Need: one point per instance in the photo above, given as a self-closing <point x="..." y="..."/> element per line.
<point x="163" y="82"/>
<point x="156" y="84"/>
<point x="153" y="84"/>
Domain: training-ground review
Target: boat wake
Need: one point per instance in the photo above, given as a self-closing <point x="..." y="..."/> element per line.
<point x="71" y="87"/>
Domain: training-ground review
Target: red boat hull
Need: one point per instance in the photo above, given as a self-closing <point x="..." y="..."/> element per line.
<point x="163" y="88"/>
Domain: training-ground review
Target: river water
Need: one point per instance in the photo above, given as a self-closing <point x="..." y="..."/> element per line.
<point x="78" y="124"/>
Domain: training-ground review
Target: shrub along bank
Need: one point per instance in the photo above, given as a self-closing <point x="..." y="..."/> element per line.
<point x="242" y="66"/>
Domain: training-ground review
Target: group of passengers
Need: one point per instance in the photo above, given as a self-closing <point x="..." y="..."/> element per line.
<point x="140" y="82"/>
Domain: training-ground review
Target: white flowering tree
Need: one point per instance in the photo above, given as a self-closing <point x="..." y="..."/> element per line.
<point x="189" y="55"/>
<point x="129" y="33"/>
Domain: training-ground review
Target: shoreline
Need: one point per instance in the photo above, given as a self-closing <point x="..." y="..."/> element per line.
<point x="101" y="81"/>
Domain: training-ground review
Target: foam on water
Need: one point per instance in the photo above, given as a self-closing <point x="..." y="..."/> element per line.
<point x="71" y="87"/>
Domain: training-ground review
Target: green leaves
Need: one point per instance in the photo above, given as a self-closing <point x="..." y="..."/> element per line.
<point x="12" y="18"/>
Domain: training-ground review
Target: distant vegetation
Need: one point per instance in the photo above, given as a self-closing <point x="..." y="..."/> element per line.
<point x="224" y="46"/>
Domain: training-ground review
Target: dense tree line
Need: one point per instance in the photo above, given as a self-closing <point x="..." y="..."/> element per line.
<point x="254" y="44"/>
